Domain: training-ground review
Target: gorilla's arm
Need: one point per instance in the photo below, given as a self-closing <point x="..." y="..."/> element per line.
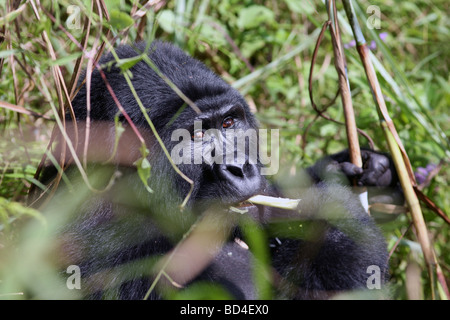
<point x="328" y="247"/>
<point x="332" y="241"/>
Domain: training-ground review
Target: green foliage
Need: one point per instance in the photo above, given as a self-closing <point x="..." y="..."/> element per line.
<point x="265" y="49"/>
<point x="120" y="20"/>
<point x="10" y="211"/>
<point x="144" y="168"/>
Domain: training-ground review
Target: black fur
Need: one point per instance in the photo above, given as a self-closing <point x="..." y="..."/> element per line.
<point x="329" y="253"/>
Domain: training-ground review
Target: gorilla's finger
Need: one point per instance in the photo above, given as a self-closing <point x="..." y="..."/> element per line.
<point x="369" y="178"/>
<point x="350" y="170"/>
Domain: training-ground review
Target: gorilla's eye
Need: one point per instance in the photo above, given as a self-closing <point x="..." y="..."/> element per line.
<point x="198" y="134"/>
<point x="228" y="122"/>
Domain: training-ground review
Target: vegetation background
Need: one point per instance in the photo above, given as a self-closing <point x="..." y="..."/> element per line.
<point x="264" y="49"/>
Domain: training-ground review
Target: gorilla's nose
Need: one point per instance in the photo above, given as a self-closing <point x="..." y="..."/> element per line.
<point x="236" y="169"/>
<point x="241" y="180"/>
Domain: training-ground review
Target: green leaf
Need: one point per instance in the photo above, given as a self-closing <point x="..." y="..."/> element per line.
<point x="302" y="7"/>
<point x="7" y="53"/>
<point x="250" y="47"/>
<point x="11" y="15"/>
<point x="253" y="16"/>
<point x="10" y="210"/>
<point x="167" y="21"/>
<point x="144" y="168"/>
<point x="213" y="31"/>
<point x="120" y="20"/>
<point x="328" y="129"/>
<point x="127" y="63"/>
<point x="66" y="59"/>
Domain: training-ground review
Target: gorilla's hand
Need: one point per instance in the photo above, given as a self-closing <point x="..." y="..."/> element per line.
<point x="378" y="172"/>
<point x="378" y="169"/>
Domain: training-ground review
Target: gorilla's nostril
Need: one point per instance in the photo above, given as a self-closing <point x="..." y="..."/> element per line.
<point x="236" y="169"/>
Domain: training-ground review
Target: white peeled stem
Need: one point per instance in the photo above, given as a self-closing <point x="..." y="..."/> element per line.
<point x="364" y="198"/>
<point x="282" y="203"/>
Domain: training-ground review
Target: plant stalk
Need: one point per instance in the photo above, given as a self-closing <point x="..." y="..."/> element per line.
<point x="344" y="87"/>
<point x="346" y="97"/>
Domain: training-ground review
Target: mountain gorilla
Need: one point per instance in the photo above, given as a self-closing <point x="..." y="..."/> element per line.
<point x="127" y="224"/>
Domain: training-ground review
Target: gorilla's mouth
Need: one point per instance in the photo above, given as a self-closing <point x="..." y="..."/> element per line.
<point x="246" y="205"/>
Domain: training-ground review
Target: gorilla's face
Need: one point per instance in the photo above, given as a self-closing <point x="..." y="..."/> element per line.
<point x="218" y="149"/>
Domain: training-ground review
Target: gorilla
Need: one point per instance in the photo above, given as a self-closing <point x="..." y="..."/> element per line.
<point x="137" y="225"/>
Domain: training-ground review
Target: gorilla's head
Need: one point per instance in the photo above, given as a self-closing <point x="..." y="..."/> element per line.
<point x="208" y="129"/>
